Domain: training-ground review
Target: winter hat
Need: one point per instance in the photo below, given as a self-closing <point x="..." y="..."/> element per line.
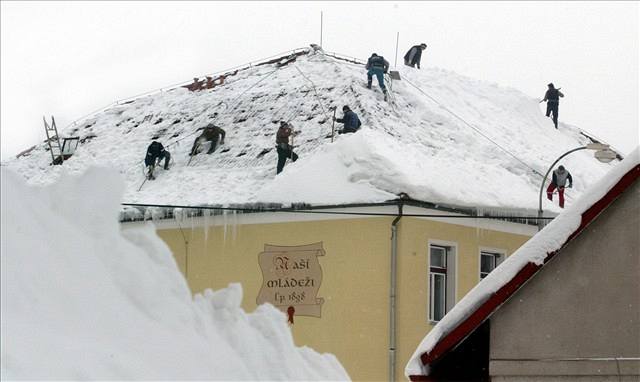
<point x="345" y="108"/>
<point x="423" y="45"/>
<point x="561" y="168"/>
<point x="550" y="84"/>
<point x="374" y="55"/>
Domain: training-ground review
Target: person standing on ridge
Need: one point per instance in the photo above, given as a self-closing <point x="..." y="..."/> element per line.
<point x="211" y="133"/>
<point x="156" y="152"/>
<point x="285" y="150"/>
<point x="350" y="119"/>
<point x="560" y="178"/>
<point x="552" y="98"/>
<point x="413" y="56"/>
<point x="378" y="66"/>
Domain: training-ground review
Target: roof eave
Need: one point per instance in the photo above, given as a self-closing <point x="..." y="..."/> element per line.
<point x="484" y="312"/>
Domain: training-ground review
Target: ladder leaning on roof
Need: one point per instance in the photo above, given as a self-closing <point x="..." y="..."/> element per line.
<point x="53" y="140"/>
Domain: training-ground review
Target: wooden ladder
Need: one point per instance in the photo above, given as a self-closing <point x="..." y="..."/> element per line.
<point x="53" y="140"/>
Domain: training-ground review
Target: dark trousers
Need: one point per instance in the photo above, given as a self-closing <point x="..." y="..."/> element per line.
<point x="347" y="130"/>
<point x="284" y="152"/>
<point x="200" y="141"/>
<point x="552" y="108"/>
<point x="379" y="73"/>
<point x="552" y="188"/>
<point x="151" y="161"/>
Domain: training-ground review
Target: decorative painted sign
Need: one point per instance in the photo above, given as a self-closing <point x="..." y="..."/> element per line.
<point x="291" y="279"/>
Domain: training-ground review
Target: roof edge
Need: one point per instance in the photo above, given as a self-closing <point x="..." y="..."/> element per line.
<point x="522" y="217"/>
<point x="482" y="313"/>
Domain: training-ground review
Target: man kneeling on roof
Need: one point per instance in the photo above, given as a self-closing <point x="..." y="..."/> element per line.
<point x="350" y="119"/>
<point x="211" y="133"/>
<point x="156" y="152"/>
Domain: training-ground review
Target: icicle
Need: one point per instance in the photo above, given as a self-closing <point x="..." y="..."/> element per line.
<point x="224" y="222"/>
<point x="206" y="214"/>
<point x="234" y="226"/>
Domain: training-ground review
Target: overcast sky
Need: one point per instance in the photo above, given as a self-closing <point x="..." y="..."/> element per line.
<point x="69" y="58"/>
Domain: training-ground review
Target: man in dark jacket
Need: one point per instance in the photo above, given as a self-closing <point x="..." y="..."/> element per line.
<point x="552" y="98"/>
<point x="378" y="66"/>
<point x="413" y="56"/>
<point x="560" y="178"/>
<point x="156" y="152"/>
<point x="210" y="133"/>
<point x="285" y="150"/>
<point x="350" y="120"/>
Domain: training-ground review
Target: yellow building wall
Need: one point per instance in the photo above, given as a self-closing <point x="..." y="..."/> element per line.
<point x="413" y="276"/>
<point x="355" y="278"/>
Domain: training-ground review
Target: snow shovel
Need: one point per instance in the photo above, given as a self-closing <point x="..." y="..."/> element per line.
<point x="333" y="123"/>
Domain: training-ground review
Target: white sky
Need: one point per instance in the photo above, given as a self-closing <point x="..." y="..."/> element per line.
<point x="69" y="58"/>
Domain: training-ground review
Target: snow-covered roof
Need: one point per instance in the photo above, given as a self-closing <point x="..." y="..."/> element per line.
<point x="444" y="139"/>
<point x="505" y="280"/>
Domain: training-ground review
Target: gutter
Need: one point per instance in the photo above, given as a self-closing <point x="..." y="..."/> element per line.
<point x="514" y="216"/>
<point x="392" y="293"/>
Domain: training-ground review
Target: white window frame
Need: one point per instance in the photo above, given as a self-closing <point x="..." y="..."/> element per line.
<point x="451" y="278"/>
<point x="500" y="255"/>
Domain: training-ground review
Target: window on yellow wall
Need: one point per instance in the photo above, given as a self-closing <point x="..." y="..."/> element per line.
<point x="437" y="282"/>
<point x="488" y="262"/>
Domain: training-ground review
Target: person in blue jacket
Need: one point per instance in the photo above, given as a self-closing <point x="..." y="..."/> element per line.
<point x="350" y="120"/>
<point x="378" y="66"/>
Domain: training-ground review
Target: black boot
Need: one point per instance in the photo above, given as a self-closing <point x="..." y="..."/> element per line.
<point x="150" y="173"/>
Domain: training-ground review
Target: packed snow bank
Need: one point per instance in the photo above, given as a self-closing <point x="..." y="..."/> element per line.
<point x="80" y="300"/>
<point x="550" y="239"/>
<point x="368" y="167"/>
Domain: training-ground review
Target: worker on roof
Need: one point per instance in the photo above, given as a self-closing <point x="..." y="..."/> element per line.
<point x="377" y="66"/>
<point x="285" y="150"/>
<point x="156" y="153"/>
<point x="210" y="133"/>
<point x="552" y="98"/>
<point x="350" y="120"/>
<point x="414" y="55"/>
<point x="560" y="178"/>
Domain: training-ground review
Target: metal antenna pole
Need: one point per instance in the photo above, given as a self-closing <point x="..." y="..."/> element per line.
<point x="397" y="40"/>
<point x="320" y="28"/>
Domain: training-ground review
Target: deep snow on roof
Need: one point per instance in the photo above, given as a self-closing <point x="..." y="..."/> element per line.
<point x="446" y="139"/>
<point x="553" y="237"/>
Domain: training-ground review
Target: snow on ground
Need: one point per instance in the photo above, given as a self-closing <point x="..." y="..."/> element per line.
<point x="489" y="153"/>
<point x="550" y="239"/>
<point x="81" y="300"/>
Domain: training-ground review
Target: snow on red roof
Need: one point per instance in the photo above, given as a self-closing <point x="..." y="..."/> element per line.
<point x="504" y="281"/>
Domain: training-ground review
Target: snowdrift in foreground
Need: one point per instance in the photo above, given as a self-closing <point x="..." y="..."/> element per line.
<point x="550" y="239"/>
<point x="82" y="301"/>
